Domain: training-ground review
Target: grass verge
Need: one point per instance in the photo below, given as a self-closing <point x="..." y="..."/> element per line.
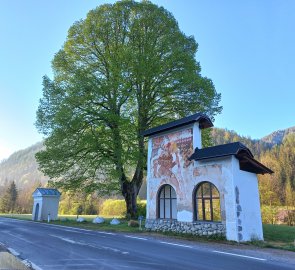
<point x="279" y="236"/>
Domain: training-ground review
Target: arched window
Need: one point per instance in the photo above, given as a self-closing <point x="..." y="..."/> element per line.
<point x="167" y="202"/>
<point x="207" y="202"/>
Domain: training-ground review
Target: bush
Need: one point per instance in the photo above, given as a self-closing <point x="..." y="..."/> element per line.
<point x="133" y="223"/>
<point x="141" y="208"/>
<point x="112" y="207"/>
<point x="286" y="216"/>
<point x="269" y="214"/>
<point x="117" y="208"/>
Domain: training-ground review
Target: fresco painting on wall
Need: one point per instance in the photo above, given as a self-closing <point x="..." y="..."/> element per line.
<point x="169" y="158"/>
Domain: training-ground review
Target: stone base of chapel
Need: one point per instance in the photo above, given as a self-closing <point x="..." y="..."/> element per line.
<point x="194" y="228"/>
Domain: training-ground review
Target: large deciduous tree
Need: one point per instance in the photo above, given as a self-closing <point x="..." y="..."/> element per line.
<point x="125" y="68"/>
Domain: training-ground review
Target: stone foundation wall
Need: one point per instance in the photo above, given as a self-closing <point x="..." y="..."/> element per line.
<point x="195" y="228"/>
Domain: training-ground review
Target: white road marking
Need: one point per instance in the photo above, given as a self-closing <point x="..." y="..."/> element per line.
<point x="13" y="252"/>
<point x="35" y="267"/>
<point x="65" y="239"/>
<point x="135" y="237"/>
<point x="21" y="238"/>
<point x="73" y="231"/>
<point x="173" y="244"/>
<point x="114" y="250"/>
<point x="238" y="255"/>
<point x="76" y="229"/>
<point x="73" y="265"/>
<point x="109" y="233"/>
<point x="89" y="245"/>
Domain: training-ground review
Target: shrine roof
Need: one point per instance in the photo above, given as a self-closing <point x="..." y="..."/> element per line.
<point x="204" y="122"/>
<point x="237" y="149"/>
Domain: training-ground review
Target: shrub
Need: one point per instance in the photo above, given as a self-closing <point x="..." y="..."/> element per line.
<point x="286" y="216"/>
<point x="112" y="207"/>
<point x="133" y="223"/>
<point x="269" y="214"/>
<point x="141" y="208"/>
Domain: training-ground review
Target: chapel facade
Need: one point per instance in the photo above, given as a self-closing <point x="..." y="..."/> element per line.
<point x="46" y="202"/>
<point x="201" y="191"/>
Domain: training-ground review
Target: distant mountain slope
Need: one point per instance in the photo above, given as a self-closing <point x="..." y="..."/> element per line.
<point x="223" y="136"/>
<point x="22" y="168"/>
<point x="278" y="136"/>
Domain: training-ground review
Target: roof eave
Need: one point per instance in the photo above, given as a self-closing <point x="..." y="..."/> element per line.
<point x="204" y="122"/>
<point x="259" y="166"/>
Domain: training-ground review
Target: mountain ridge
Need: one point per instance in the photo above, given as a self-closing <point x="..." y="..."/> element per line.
<point x="278" y="136"/>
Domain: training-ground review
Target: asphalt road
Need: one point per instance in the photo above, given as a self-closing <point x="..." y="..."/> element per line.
<point x="55" y="247"/>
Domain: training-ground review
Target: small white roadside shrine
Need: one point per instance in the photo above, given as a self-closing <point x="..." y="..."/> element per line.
<point x="46" y="201"/>
<point x="201" y="191"/>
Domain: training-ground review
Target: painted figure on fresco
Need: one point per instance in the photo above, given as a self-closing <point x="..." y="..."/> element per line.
<point x="170" y="156"/>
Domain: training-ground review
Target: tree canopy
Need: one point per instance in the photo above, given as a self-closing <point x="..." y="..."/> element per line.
<point x="127" y="67"/>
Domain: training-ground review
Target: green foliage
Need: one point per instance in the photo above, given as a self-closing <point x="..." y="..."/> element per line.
<point x="127" y="67"/>
<point x="114" y="208"/>
<point x="279" y="188"/>
<point x="141" y="208"/>
<point x="275" y="189"/>
<point x="72" y="201"/>
<point x="8" y="201"/>
<point x="117" y="208"/>
<point x="269" y="214"/>
<point x="280" y="236"/>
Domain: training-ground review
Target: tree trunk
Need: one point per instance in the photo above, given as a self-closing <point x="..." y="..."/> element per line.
<point x="130" y="191"/>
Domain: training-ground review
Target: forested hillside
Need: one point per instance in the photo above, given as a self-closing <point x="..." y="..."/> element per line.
<point x="21" y="167"/>
<point x="276" y="151"/>
<point x="222" y="136"/>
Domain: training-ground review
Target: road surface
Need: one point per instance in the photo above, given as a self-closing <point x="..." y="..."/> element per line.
<point x="51" y="247"/>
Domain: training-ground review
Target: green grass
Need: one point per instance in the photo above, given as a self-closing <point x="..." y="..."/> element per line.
<point x="275" y="236"/>
<point x="18" y="216"/>
<point x="70" y="220"/>
<point x="106" y="226"/>
<point x="279" y="236"/>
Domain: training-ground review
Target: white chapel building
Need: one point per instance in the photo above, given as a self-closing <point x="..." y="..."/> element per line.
<point x="46" y="202"/>
<point x="202" y="191"/>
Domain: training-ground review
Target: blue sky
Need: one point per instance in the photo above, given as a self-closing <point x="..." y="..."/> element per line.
<point x="245" y="47"/>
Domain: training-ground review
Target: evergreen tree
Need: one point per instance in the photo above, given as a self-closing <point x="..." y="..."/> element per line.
<point x="8" y="202"/>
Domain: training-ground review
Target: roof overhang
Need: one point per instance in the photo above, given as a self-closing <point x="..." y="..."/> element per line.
<point x="250" y="164"/>
<point x="237" y="149"/>
<point x="204" y="122"/>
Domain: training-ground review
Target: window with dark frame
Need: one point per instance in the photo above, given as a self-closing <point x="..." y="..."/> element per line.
<point x="207" y="202"/>
<point x="167" y="208"/>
